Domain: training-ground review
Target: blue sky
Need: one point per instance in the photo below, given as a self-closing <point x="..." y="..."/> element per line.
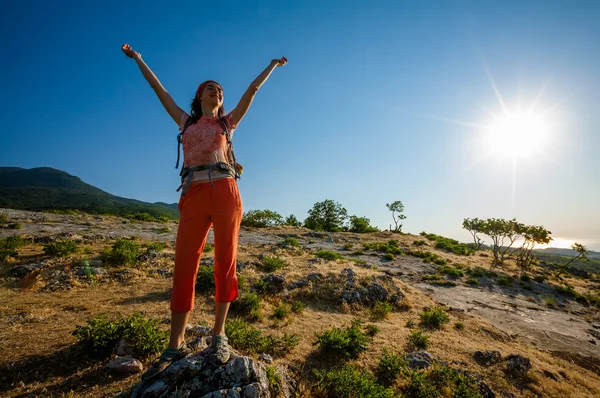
<point x="380" y="101"/>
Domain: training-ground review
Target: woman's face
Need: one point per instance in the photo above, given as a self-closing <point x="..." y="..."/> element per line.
<point x="213" y="95"/>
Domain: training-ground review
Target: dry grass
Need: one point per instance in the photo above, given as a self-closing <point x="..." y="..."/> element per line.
<point x="39" y="358"/>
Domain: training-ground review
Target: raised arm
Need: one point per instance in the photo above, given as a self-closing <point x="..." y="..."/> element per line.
<point x="242" y="107"/>
<point x="162" y="94"/>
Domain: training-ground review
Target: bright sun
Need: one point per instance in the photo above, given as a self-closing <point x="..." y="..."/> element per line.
<point x="516" y="134"/>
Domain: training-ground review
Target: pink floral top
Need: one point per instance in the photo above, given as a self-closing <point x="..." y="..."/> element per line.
<point x="204" y="143"/>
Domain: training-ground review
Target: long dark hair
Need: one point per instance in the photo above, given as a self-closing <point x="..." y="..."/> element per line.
<point x="196" y="112"/>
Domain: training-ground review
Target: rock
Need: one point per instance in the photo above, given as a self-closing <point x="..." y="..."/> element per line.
<point x="518" y="365"/>
<point x="550" y="375"/>
<point x="155" y="390"/>
<point x="21" y="271"/>
<point x="275" y="283"/>
<point x="487" y="358"/>
<point x="166" y="321"/>
<point x="199" y="343"/>
<point x="125" y="365"/>
<point x="58" y="280"/>
<point x="96" y="263"/>
<point x="298" y="284"/>
<point x="376" y="292"/>
<point x="210" y="261"/>
<point x="201" y="330"/>
<point x="314" y="277"/>
<point x="419" y="360"/>
<point x="164" y="272"/>
<point x="124" y="348"/>
<point x="485" y="390"/>
<point x="265" y="358"/>
<point x="98" y="271"/>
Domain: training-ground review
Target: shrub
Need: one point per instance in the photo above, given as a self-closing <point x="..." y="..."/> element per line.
<point x="388" y="256"/>
<point x="205" y="279"/>
<point x="348" y="382"/>
<point x="260" y="286"/>
<point x="292" y="221"/>
<point x="389" y="247"/>
<point x="419" y="243"/>
<point x="164" y="229"/>
<point x="477" y="272"/>
<point x="442" y="378"/>
<point x="472" y="281"/>
<point x="505" y="280"/>
<point x="248" y="304"/>
<point x="156" y="246"/>
<point x="326" y="216"/>
<point x="328" y="255"/>
<point x="540" y="278"/>
<point x="525" y="278"/>
<point x="381" y="309"/>
<point x="358" y="252"/>
<point x="3" y="219"/>
<point x="451" y="245"/>
<point x="459" y="325"/>
<point x="274" y="380"/>
<point x="550" y="301"/>
<point x="261" y="218"/>
<point x="101" y="335"/>
<point x="371" y="330"/>
<point x="122" y="252"/>
<point x="208" y="248"/>
<point x="418" y="339"/>
<point x="281" y="311"/>
<point x="347" y="246"/>
<point x="297" y="307"/>
<point x="287" y="242"/>
<point x="409" y="324"/>
<point x="433" y="277"/>
<point x="272" y="263"/>
<point x="361" y="225"/>
<point x="15" y="225"/>
<point x="60" y="248"/>
<point x="343" y="343"/>
<point x="390" y="366"/>
<point x="434" y="317"/>
<point x="450" y="271"/>
<point x="9" y="246"/>
<point x="251" y="340"/>
<point x="439" y="261"/>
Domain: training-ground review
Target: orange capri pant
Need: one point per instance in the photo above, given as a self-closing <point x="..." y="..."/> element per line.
<point x="201" y="207"/>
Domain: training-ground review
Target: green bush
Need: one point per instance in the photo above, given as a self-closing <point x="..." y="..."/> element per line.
<point x="14" y="225"/>
<point x="451" y="245"/>
<point x="358" y="252"/>
<point x="418" y="339"/>
<point x="297" y="307"/>
<point x="347" y="246"/>
<point x="409" y="324"/>
<point x="248" y="304"/>
<point x="122" y="252"/>
<point x="361" y="225"/>
<point x="381" y="309"/>
<point x="477" y="272"/>
<point x="434" y="317"/>
<point x="205" y="279"/>
<point x="505" y="280"/>
<point x="459" y="325"/>
<point x="439" y="261"/>
<point x="260" y="286"/>
<point x="281" y="311"/>
<point x="147" y="217"/>
<point x="156" y="246"/>
<point x="371" y="330"/>
<point x="328" y="255"/>
<point x="261" y="219"/>
<point x="432" y="277"/>
<point x="389" y="247"/>
<point x="343" y="343"/>
<point x="274" y="380"/>
<point x="472" y="281"/>
<point x="9" y="246"/>
<point x="450" y="271"/>
<point x="3" y="219"/>
<point x="391" y="366"/>
<point x="550" y="301"/>
<point x="272" y="263"/>
<point x="525" y="278"/>
<point x="252" y="340"/>
<point x="292" y="221"/>
<point x="540" y="278"/>
<point x="287" y="242"/>
<point x="60" y="248"/>
<point x="419" y="243"/>
<point x="164" y="229"/>
<point x="441" y="378"/>
<point x="101" y="335"/>
<point x="426" y="256"/>
<point x="208" y="248"/>
<point x="348" y="382"/>
<point x="388" y="256"/>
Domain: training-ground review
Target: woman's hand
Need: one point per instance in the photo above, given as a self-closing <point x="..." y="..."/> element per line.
<point x="279" y="62"/>
<point x="126" y="48"/>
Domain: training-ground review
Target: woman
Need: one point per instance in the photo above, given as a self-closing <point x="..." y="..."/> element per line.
<point x="210" y="196"/>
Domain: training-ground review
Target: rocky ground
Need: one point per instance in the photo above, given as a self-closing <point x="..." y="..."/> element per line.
<point x="43" y="297"/>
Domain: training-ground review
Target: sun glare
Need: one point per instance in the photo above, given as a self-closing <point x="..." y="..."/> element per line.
<point x="517" y="134"/>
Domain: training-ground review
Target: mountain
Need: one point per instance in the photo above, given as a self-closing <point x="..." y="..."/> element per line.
<point x="566" y="252"/>
<point x="45" y="188"/>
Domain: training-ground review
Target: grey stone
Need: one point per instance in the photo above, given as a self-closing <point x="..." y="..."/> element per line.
<point x="376" y="292"/>
<point x="225" y="393"/>
<point x="275" y="283"/>
<point x="518" y="365"/>
<point x="265" y="358"/>
<point x="155" y="389"/>
<point x="125" y="365"/>
<point x="297" y="284"/>
<point x="201" y="330"/>
<point x="314" y="277"/>
<point x="124" y="348"/>
<point x="487" y="358"/>
<point x="419" y="360"/>
<point x="21" y="271"/>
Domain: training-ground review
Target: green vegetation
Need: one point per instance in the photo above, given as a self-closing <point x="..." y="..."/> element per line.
<point x="388" y="256"/>
<point x="505" y="280"/>
<point x="261" y="218"/>
<point x="326" y="216"/>
<point x="252" y="340"/>
<point x="60" y="248"/>
<point x="101" y="334"/>
<point x="409" y="324"/>
<point x="434" y="317"/>
<point x="122" y="252"/>
<point x="147" y="217"/>
<point x="282" y="311"/>
<point x="208" y="248"/>
<point x="272" y="263"/>
<point x="450" y="271"/>
<point x="419" y="243"/>
<point x="297" y="307"/>
<point x="349" y="342"/>
<point x="289" y="242"/>
<point x="472" y="281"/>
<point x="427" y="256"/>
<point x="348" y="382"/>
<point x="361" y="225"/>
<point x="329" y="255"/>
<point x="347" y="246"/>
<point x="391" y="366"/>
<point x="381" y="310"/>
<point x="389" y="247"/>
<point x="9" y="247"/>
<point x="441" y="378"/>
<point x="418" y="339"/>
<point x="205" y="279"/>
<point x="248" y="305"/>
<point x="358" y="252"/>
<point x="451" y="245"/>
<point x="396" y="207"/>
<point x="371" y="330"/>
<point x="459" y="325"/>
<point x="274" y="380"/>
<point x="292" y="221"/>
<point x="156" y="246"/>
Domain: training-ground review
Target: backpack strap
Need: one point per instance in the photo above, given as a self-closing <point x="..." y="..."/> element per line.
<point x="180" y="139"/>
<point x="227" y="131"/>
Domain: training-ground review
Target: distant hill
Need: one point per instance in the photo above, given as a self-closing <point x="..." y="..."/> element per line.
<point x="566" y="252"/>
<point x="45" y="188"/>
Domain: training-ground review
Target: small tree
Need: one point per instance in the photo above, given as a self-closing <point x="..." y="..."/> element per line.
<point x="326" y="216"/>
<point x="474" y="226"/>
<point x="503" y="234"/>
<point x="361" y="225"/>
<point x="532" y="235"/>
<point x="582" y="255"/>
<point x="292" y="221"/>
<point x="396" y="207"/>
<point x="261" y="218"/>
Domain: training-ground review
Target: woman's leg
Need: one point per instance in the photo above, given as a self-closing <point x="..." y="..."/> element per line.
<point x="194" y="224"/>
<point x="221" y="309"/>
